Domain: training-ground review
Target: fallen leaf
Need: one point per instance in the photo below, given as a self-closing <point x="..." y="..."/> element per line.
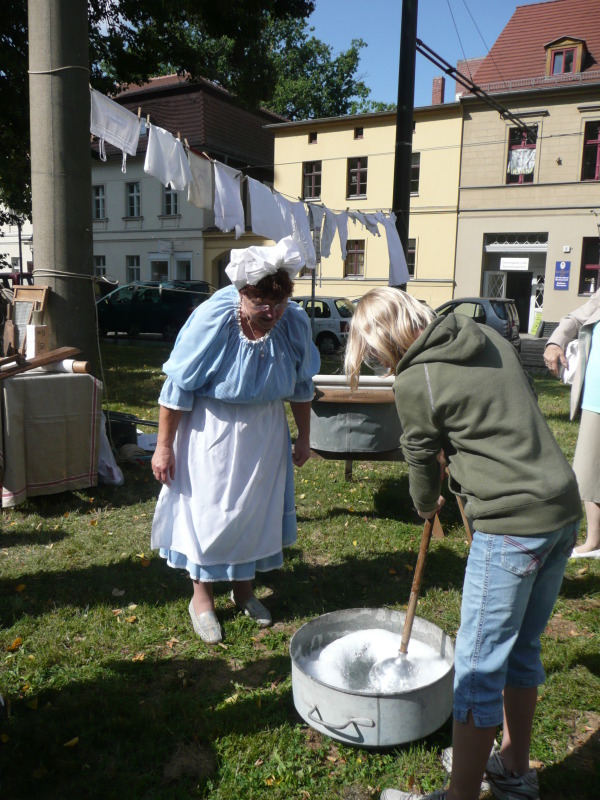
<point x="409" y="567"/>
<point x="93" y="522"/>
<point x="172" y="642"/>
<point x="333" y="759"/>
<point x="118" y="592"/>
<point x="15" y="645"/>
<point x="301" y="497"/>
<point x="355" y="543"/>
<point x="232" y="699"/>
<point x="145" y="562"/>
<point x="66" y="514"/>
<point x="392" y="571"/>
<point x="20" y="587"/>
<point x="131" y="619"/>
<point x="72" y="742"/>
<point x="138" y="657"/>
<point x="258" y="762"/>
<point x="132" y="606"/>
<point x="223" y="646"/>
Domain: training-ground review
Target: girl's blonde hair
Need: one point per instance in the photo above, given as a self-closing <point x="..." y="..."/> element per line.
<point x="385" y="324"/>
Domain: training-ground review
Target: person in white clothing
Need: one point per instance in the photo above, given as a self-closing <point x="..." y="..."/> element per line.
<point x="224" y="453"/>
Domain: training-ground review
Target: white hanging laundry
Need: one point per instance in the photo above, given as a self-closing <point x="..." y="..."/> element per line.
<point x="267" y="219"/>
<point x="398" y="269"/>
<point x="342" y="226"/>
<point x="114" y="124"/>
<point x="166" y="159"/>
<point x="229" y="211"/>
<point x="295" y="217"/>
<point x="328" y="233"/>
<point x="317" y="213"/>
<point x="200" y="188"/>
<point x="366" y="220"/>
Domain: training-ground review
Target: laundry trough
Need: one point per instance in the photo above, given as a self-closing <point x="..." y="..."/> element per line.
<point x="345" y="422"/>
<point x="362" y="718"/>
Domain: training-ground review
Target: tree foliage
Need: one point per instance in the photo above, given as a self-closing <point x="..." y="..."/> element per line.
<point x="261" y="50"/>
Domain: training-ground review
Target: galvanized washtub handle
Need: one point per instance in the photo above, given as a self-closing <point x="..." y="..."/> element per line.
<point x="363" y="721"/>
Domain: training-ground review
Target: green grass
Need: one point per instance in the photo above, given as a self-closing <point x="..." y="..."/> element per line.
<point x="111" y="695"/>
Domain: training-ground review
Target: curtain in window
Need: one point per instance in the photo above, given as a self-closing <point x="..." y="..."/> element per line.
<point x="521" y="161"/>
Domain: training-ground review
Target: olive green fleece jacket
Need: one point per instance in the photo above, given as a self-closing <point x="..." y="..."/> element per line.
<point x="461" y="388"/>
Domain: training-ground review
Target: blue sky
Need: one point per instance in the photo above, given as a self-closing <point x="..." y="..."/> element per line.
<point x="377" y="22"/>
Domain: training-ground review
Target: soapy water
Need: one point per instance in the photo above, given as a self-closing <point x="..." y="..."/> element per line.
<point x="347" y="663"/>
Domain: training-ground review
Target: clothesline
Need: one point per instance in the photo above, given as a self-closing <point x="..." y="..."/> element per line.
<point x="212" y="185"/>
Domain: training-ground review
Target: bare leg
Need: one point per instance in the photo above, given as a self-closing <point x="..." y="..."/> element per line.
<point x="471" y="749"/>
<point x="519" y="708"/>
<point x="592" y="541"/>
<point x="203" y="597"/>
<point x="242" y="590"/>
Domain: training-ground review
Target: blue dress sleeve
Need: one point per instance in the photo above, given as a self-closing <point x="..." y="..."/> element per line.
<point x="308" y="361"/>
<point x="201" y="344"/>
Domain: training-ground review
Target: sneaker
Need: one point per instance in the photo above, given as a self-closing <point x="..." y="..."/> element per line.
<point x="447" y="764"/>
<point x="589" y="554"/>
<point x="253" y="608"/>
<point x="506" y="786"/>
<point x="395" y="794"/>
<point x="206" y="625"/>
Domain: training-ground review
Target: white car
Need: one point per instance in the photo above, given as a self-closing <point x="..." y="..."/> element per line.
<point x="330" y="317"/>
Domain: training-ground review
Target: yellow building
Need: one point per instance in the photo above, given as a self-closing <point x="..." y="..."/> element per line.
<point x="347" y="164"/>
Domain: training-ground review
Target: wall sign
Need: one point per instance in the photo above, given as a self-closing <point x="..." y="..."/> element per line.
<point x="514" y="264"/>
<point x="561" y="275"/>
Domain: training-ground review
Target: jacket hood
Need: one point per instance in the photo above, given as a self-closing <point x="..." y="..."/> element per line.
<point x="452" y="339"/>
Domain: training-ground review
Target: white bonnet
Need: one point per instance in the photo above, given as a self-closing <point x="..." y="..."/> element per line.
<point x="250" y="265"/>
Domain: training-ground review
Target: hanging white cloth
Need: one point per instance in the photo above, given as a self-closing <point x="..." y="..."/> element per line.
<point x="200" y="188"/>
<point x="328" y="233"/>
<point x="398" y="270"/>
<point x="317" y="212"/>
<point x="368" y="221"/>
<point x="229" y="211"/>
<point x="166" y="159"/>
<point x="295" y="217"/>
<point x="114" y="124"/>
<point x="342" y="226"/>
<point x="521" y="161"/>
<point x="267" y="219"/>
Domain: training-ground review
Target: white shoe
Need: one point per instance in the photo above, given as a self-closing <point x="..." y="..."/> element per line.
<point x="396" y="794"/>
<point x="206" y="625"/>
<point x="253" y="608"/>
<point x="589" y="554"/>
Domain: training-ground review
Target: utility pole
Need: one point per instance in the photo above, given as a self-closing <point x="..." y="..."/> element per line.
<point x="404" y="119"/>
<point x="61" y="170"/>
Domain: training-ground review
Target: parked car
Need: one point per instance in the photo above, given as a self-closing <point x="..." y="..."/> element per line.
<point x="151" y="307"/>
<point x="332" y="317"/>
<point x="499" y="313"/>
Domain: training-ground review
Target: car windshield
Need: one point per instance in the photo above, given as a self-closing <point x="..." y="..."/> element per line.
<point x="345" y="308"/>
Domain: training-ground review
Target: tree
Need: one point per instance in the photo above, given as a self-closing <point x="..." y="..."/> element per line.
<point x="309" y="81"/>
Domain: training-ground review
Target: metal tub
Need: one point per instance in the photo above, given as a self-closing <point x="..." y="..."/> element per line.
<point x="362" y="718"/>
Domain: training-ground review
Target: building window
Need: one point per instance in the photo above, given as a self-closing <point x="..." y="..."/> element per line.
<point x="354" y="265"/>
<point x="357" y="177"/>
<point x="170" y="207"/>
<point x="312" y="137"/>
<point x="98" y="207"/>
<point x="132" y="272"/>
<point x="590" y="266"/>
<point x="99" y="265"/>
<point x="563" y="61"/>
<point x="590" y="169"/>
<point x="415" y="172"/>
<point x="133" y="205"/>
<point x="521" y="155"/>
<point x="311" y="179"/>
<point x="411" y="256"/>
<point x="359" y="133"/>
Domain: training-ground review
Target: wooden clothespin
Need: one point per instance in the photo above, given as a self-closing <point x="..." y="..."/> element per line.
<point x="139" y="113"/>
<point x="205" y="155"/>
<point x="186" y="143"/>
<point x="147" y="120"/>
<point x="178" y="136"/>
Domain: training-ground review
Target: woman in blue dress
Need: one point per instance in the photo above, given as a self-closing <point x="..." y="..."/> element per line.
<point x="224" y="454"/>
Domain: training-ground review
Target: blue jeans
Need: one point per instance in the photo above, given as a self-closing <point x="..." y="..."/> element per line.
<point x="511" y="585"/>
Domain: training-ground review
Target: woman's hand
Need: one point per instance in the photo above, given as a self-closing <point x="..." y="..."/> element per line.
<point x="430" y="514"/>
<point x="553" y="356"/>
<point x="163" y="464"/>
<point x="301" y="452"/>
